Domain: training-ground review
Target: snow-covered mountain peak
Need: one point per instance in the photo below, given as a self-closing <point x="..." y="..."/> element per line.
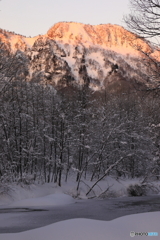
<point x="107" y="36"/>
<point x="16" y="42"/>
<point x="69" y="32"/>
<point x="75" y="54"/>
<point x="104" y="36"/>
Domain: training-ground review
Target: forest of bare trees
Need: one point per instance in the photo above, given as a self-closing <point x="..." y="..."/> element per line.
<point x="47" y="135"/>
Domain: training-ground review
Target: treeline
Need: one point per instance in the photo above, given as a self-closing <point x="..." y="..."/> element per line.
<point x="46" y="134"/>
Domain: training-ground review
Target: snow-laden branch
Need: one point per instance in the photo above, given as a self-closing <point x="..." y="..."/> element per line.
<point x="106" y="172"/>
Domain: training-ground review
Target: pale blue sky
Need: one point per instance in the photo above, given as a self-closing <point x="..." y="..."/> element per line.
<point x="33" y="17"/>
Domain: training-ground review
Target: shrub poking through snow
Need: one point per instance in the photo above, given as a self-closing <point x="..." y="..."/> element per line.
<point x="136" y="190"/>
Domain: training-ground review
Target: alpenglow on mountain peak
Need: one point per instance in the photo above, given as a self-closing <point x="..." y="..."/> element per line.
<point x="75" y="54"/>
<point x="105" y="35"/>
<point x="108" y="36"/>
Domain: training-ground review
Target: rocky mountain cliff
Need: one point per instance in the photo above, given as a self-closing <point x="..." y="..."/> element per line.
<point x="76" y="54"/>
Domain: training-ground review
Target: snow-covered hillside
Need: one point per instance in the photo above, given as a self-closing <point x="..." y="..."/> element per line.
<point x="74" y="53"/>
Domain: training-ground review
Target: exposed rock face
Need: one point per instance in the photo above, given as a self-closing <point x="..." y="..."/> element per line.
<point x="76" y="54"/>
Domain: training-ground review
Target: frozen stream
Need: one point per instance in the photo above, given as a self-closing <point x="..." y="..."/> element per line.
<point x="21" y="219"/>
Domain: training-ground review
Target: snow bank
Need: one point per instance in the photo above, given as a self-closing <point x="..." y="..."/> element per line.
<point x="13" y="193"/>
<point x="84" y="229"/>
<point x="49" y="200"/>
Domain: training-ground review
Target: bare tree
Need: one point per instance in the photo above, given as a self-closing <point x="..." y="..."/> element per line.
<point x="144" y="18"/>
<point x="144" y="21"/>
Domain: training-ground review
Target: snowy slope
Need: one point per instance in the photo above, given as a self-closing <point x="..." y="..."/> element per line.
<point x="85" y="229"/>
<point x="15" y="41"/>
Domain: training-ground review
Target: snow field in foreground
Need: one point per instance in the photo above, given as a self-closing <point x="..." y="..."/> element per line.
<point x="85" y="229"/>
